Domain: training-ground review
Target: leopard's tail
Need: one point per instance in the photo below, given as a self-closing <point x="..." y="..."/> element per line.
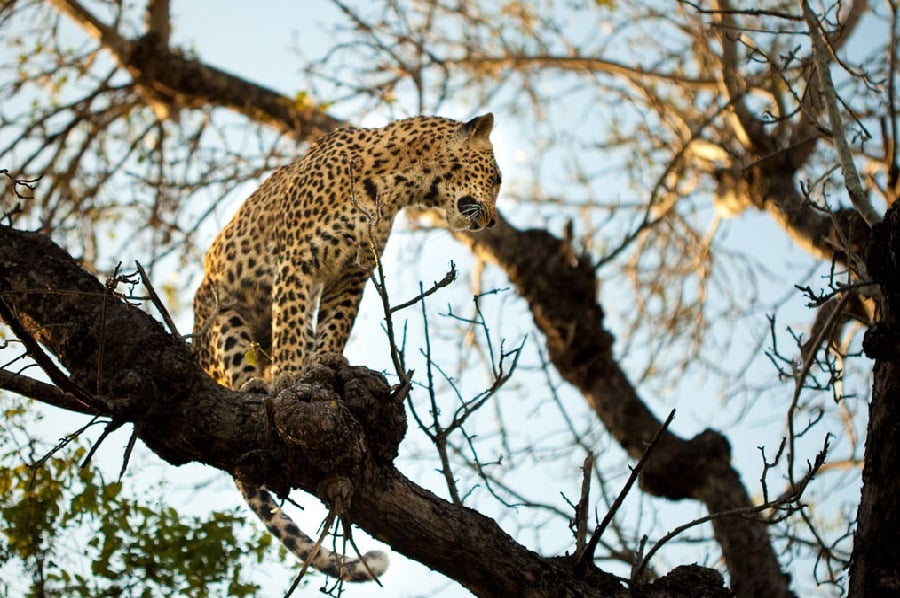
<point x="370" y="566"/>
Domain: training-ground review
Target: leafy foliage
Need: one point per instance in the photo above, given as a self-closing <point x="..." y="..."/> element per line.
<point x="136" y="547"/>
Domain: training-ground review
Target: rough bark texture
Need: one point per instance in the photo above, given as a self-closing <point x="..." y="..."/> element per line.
<point x="340" y="425"/>
<point x="875" y="565"/>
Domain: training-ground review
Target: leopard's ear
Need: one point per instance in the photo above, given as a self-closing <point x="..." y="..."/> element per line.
<point x="480" y="126"/>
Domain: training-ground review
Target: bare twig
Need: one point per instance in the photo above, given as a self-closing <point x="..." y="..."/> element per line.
<point x="446" y="281"/>
<point x="19" y="184"/>
<point x="326" y="526"/>
<point x="581" y="510"/>
<point x="109" y="429"/>
<point x="157" y="302"/>
<point x="852" y="180"/>
<point x="374" y="218"/>
<point x="767" y="466"/>
<point x="63" y="442"/>
<point x="801" y="375"/>
<point x="783" y="501"/>
<point x="129" y="449"/>
<point x="436" y="432"/>
<point x="396" y="354"/>
<point x="588" y="555"/>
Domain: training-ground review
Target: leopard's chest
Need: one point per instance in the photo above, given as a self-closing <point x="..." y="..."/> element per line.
<point x="333" y="224"/>
<point x="328" y="250"/>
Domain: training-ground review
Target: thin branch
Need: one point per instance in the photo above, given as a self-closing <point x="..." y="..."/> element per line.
<point x="326" y="526"/>
<point x="94" y="27"/>
<point x="43" y="392"/>
<point x="800" y="376"/>
<point x="588" y="555"/>
<point x="736" y="85"/>
<point x="43" y="360"/>
<point x="584" y="64"/>
<point x="446" y="281"/>
<point x="109" y="429"/>
<point x="581" y="509"/>
<point x="753" y="12"/>
<point x="852" y="180"/>
<point x="157" y="302"/>
<point x="129" y="449"/>
<point x="740" y="511"/>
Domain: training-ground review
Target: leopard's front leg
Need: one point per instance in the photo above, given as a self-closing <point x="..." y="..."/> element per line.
<point x="338" y="308"/>
<point x="294" y="296"/>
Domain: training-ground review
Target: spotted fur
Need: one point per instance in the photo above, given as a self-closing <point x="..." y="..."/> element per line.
<point x="283" y="280"/>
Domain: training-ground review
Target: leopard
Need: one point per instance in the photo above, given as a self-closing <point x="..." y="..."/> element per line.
<point x="283" y="280"/>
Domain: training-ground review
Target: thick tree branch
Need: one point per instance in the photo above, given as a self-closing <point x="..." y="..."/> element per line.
<point x="875" y="564"/>
<point x="159" y="21"/>
<point x="341" y="424"/>
<point x="176" y="81"/>
<point x="827" y="236"/>
<point x="735" y="86"/>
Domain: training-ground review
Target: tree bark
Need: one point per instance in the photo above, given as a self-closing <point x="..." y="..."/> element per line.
<point x="875" y="564"/>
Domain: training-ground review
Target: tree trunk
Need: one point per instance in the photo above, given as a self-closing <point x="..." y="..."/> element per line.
<point x="875" y="564"/>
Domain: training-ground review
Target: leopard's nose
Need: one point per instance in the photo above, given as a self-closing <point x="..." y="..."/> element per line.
<point x="467" y="206"/>
<point x="492" y="222"/>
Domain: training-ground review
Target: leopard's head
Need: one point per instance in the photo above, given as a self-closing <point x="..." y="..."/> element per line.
<point x="469" y="187"/>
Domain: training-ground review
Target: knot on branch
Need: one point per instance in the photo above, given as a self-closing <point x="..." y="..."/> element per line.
<point x="690" y="580"/>
<point x="339" y="415"/>
<point x="738" y="188"/>
<point x="147" y="58"/>
<point x="132" y="392"/>
<point x="881" y="342"/>
<point x="317" y="422"/>
<point x="379" y="409"/>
